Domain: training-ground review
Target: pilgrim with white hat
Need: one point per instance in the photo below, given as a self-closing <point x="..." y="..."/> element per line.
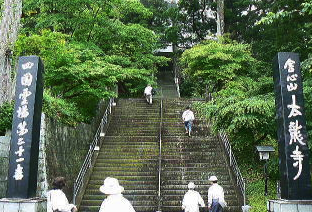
<point x="114" y="201"/>
<point x="192" y="199"/>
<point x="216" y="201"/>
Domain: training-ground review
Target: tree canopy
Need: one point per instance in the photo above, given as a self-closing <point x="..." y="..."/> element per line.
<point x="89" y="47"/>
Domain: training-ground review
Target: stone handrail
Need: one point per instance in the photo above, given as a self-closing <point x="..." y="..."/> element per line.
<point x="160" y="155"/>
<point x="90" y="158"/>
<point x="239" y="177"/>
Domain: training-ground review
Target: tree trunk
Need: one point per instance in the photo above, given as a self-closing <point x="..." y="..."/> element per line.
<point x="220" y="17"/>
<point x="9" y="26"/>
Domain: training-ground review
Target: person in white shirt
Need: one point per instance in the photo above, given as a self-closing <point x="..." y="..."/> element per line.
<point x="115" y="202"/>
<point x="56" y="199"/>
<point x="148" y="94"/>
<point x="188" y="118"/>
<point x="192" y="199"/>
<point x="216" y="200"/>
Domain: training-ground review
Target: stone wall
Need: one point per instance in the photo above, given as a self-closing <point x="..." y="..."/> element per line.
<point x="4" y="163"/>
<point x="66" y="148"/>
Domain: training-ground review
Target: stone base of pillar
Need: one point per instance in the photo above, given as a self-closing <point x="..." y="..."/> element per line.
<point x="282" y="205"/>
<point x="23" y="205"/>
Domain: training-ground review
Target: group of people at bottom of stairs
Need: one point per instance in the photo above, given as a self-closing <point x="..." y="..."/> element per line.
<point x="115" y="202"/>
<point x="192" y="199"/>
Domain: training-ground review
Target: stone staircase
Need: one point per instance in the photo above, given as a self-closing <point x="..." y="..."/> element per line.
<point x="130" y="154"/>
<point x="188" y="159"/>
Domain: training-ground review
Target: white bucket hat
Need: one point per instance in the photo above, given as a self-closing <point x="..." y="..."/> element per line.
<point x="213" y="178"/>
<point x="111" y="186"/>
<point x="191" y="185"/>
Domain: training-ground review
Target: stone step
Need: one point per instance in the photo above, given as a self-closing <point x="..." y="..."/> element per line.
<point x="183" y="169"/>
<point x="99" y="174"/>
<point x="129" y="149"/>
<point x="131" y="138"/>
<point x="135" y="130"/>
<point x="137" y="122"/>
<point x="134" y="199"/>
<point x="97" y="195"/>
<point x="168" y="199"/>
<point x="197" y="181"/>
<point x="178" y="209"/>
<point x="178" y="163"/>
<point x="137" y="208"/>
<point x="189" y="148"/>
<point x="219" y="172"/>
<point x="140" y="143"/>
<point x="94" y="188"/>
<point x="203" y="190"/>
<point x="130" y="133"/>
<point x="125" y="163"/>
<point x="182" y="188"/>
<point x="136" y="177"/>
<point x="131" y="153"/>
<point x="195" y="157"/>
<point x="190" y="177"/>
<point x="125" y="182"/>
<point x="129" y="158"/>
<point x="191" y="160"/>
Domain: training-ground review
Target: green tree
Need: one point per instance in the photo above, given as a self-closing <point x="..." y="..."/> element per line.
<point x="89" y="47"/>
<point x="284" y="26"/>
<point x="216" y="63"/>
<point x="78" y="72"/>
<point x="243" y="104"/>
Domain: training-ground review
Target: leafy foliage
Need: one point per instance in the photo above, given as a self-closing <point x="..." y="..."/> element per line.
<point x="76" y="73"/>
<point x="216" y="63"/>
<point x="89" y="47"/>
<point x="245" y="110"/>
<point x="271" y="27"/>
<point x="191" y="21"/>
<point x="6" y="116"/>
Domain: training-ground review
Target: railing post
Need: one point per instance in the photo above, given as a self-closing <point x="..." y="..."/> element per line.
<point x="244" y="193"/>
<point x="230" y="156"/>
<point x="75" y="192"/>
<point x="160" y="156"/>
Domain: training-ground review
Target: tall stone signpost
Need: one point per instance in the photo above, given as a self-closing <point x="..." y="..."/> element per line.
<point x="295" y="179"/>
<point x="24" y="148"/>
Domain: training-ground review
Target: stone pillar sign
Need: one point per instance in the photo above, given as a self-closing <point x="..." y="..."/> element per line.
<point x="24" y="148"/>
<point x="294" y="167"/>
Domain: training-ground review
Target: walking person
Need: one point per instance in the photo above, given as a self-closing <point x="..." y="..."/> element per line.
<point x="56" y="199"/>
<point x="216" y="201"/>
<point x="115" y="202"/>
<point x="148" y="94"/>
<point x="192" y="199"/>
<point x="188" y="118"/>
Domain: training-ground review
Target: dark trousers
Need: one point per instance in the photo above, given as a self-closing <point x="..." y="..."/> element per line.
<point x="215" y="206"/>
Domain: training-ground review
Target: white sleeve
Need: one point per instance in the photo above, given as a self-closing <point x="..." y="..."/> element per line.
<point x="183" y="203"/>
<point x="60" y="202"/>
<point x="200" y="200"/>
<point x="130" y="207"/>
<point x="192" y="116"/>
<point x="209" y="197"/>
<point x="222" y="195"/>
<point x="49" y="203"/>
<point x="102" y="209"/>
